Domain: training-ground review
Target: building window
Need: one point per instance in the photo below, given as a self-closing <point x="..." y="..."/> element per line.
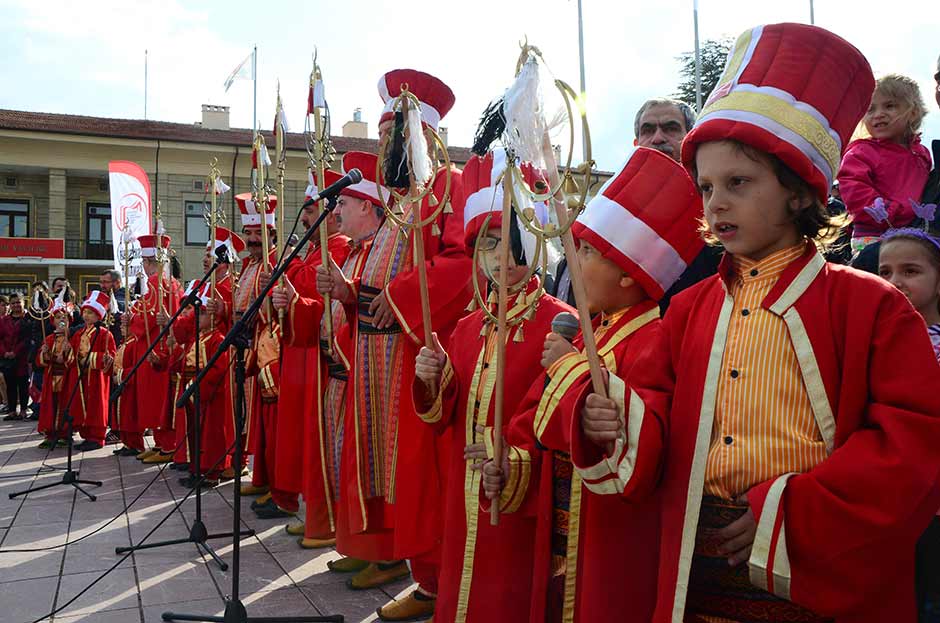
<point x="98" y="245"/>
<point x="14" y="218"/>
<point x="197" y="231"/>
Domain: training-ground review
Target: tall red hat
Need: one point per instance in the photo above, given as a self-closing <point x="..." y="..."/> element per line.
<point x="791" y="90"/>
<point x="366" y="189"/>
<point x="483" y="187"/>
<point x="226" y="238"/>
<point x="98" y="302"/>
<point x="645" y="220"/>
<point x="150" y="242"/>
<point x="249" y="209"/>
<point x="313" y="188"/>
<point x="436" y="97"/>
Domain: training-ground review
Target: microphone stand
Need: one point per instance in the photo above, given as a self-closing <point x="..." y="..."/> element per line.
<point x="198" y="533"/>
<point x="238" y="337"/>
<point x="70" y="477"/>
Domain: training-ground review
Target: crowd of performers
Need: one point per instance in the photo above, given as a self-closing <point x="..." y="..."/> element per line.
<point x="765" y="451"/>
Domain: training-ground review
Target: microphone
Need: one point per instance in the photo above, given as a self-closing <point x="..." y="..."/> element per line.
<point x="566" y="325"/>
<point x="353" y="177"/>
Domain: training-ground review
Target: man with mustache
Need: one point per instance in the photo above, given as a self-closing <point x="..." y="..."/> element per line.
<point x="396" y="505"/>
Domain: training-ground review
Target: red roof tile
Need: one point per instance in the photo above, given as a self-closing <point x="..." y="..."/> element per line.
<point x="166" y="131"/>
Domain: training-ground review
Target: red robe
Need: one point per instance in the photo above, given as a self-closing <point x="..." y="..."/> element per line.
<point x="184" y="331"/>
<point x="486" y="570"/>
<point x="851" y="522"/>
<point x="54" y="394"/>
<point x="302" y="379"/>
<point x="127" y="420"/>
<point x="90" y="406"/>
<point x="609" y="543"/>
<point x="143" y="324"/>
<point x="260" y="401"/>
<point x="393" y="474"/>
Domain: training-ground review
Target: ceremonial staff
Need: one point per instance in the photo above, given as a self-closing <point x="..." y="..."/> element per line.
<point x="280" y="157"/>
<point x="260" y="193"/>
<point x="526" y="136"/>
<point x="421" y="169"/>
<point x="215" y="186"/>
<point x="320" y="153"/>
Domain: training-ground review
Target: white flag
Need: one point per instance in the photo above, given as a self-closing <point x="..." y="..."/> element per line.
<point x="221" y="187"/>
<point x="130" y="208"/>
<point x="244" y="71"/>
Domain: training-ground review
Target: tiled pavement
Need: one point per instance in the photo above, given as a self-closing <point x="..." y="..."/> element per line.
<point x="277" y="577"/>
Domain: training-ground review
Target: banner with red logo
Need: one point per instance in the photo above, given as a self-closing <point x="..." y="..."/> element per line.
<point x="130" y="208"/>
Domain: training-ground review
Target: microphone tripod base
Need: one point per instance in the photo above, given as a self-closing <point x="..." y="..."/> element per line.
<point x="235" y="613"/>
<point x="198" y="535"/>
<point x="68" y="478"/>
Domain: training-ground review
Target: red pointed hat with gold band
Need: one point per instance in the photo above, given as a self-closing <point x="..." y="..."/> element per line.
<point x="436" y="97"/>
<point x="313" y="188"/>
<point x="226" y="238"/>
<point x="645" y="220"/>
<point x="365" y="189"/>
<point x="483" y="187"/>
<point x="791" y="90"/>
<point x="150" y="242"/>
<point x="98" y="302"/>
<point x="250" y="210"/>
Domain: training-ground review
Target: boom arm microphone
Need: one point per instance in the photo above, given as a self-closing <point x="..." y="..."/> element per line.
<point x="353" y="177"/>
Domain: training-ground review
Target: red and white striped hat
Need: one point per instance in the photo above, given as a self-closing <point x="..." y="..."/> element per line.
<point x="250" y="215"/>
<point x="149" y="243"/>
<point x="484" y="190"/>
<point x="367" y="189"/>
<point x="435" y="97"/>
<point x="645" y="220"/>
<point x="791" y="90"/>
<point x="329" y="175"/>
<point x="98" y="302"/>
<point x="226" y="238"/>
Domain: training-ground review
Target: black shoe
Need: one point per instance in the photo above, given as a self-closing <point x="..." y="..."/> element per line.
<point x="111" y="438"/>
<point x="270" y="510"/>
<point x="13" y="416"/>
<point x="190" y="482"/>
<point x="88" y="446"/>
<point x="127" y="451"/>
<point x="180" y="467"/>
<point x="33" y="415"/>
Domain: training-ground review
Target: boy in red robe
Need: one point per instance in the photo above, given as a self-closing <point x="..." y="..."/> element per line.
<point x="54" y="358"/>
<point x="216" y="437"/>
<point x="486" y="570"/>
<point x="91" y="350"/>
<point x="778" y="420"/>
<point x="635" y="239"/>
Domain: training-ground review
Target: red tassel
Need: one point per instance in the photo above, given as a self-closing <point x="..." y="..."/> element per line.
<point x="254" y="159"/>
<point x="275" y="126"/>
<point x="310" y="101"/>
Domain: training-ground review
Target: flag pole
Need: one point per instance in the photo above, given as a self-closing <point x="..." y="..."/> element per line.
<point x="254" y="79"/>
<point x="145" y="84"/>
<point x="698" y="62"/>
<point x="584" y="138"/>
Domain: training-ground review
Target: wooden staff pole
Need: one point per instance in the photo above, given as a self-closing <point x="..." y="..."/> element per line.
<point x="419" y="244"/>
<point x="320" y="156"/>
<point x="502" y="307"/>
<point x="281" y="199"/>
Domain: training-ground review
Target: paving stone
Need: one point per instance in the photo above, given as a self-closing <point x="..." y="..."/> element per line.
<point x="162" y="583"/>
<point x="27" y="600"/>
<point x="116" y="591"/>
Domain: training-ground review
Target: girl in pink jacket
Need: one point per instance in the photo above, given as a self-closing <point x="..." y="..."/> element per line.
<point x="886" y="172"/>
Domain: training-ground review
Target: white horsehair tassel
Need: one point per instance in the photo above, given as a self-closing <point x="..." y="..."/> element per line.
<point x="417" y="148"/>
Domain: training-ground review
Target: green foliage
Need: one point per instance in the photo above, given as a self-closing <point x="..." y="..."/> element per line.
<point x="713" y="52"/>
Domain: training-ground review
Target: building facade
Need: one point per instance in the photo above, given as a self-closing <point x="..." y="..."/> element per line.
<point x="55" y="212"/>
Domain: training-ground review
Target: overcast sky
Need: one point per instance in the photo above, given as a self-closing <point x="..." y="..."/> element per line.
<point x="88" y="57"/>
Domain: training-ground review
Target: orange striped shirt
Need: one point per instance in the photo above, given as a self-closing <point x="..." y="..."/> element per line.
<point x="764" y="424"/>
